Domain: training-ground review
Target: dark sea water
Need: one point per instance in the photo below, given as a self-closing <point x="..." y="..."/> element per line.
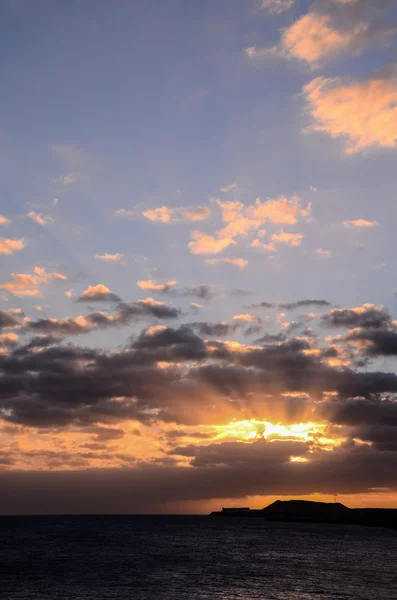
<point x="175" y="558"/>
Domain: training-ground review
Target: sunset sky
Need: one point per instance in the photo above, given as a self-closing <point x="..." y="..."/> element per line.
<point x="198" y="267"/>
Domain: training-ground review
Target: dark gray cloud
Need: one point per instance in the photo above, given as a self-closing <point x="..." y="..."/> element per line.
<point x="293" y="305"/>
<point x="270" y="338"/>
<point x="260" y="470"/>
<point x="214" y="329"/>
<point x="233" y="454"/>
<point x="374" y="342"/>
<point x="8" y="320"/>
<point x="373" y="410"/>
<point x="203" y="291"/>
<point x="125" y="314"/>
<point x="63" y="385"/>
<point x="367" y="317"/>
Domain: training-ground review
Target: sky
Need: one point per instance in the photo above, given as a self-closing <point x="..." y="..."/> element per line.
<point x="197" y="254"/>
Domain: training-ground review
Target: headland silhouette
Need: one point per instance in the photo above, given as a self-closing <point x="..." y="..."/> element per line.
<point x="305" y="511"/>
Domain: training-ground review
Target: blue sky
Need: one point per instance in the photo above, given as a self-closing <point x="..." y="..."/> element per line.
<point x="187" y="111"/>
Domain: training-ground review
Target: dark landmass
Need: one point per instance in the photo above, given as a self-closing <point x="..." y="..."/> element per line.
<point x="304" y="511"/>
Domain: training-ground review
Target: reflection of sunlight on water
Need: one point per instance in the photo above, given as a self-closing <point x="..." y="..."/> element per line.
<point x="255" y="429"/>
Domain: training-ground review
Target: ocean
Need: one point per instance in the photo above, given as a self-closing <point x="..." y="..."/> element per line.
<point x="192" y="557"/>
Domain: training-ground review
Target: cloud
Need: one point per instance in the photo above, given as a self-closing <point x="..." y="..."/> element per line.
<point x="291" y="239"/>
<point x="280" y="211"/>
<point x="172" y="377"/>
<point x="40" y="219"/>
<point x="263" y="246"/>
<point x="126" y="312"/>
<point x="98" y="293"/>
<point x="293" y="305"/>
<point x="323" y="253"/>
<point x="163" y="288"/>
<point x="367" y="315"/>
<point x="247" y="317"/>
<point x="214" y="329"/>
<point x="68" y="179"/>
<point x="277" y="6"/>
<point x="9" y="246"/>
<point x="326" y="32"/>
<point x="362" y="113"/>
<point x="204" y="291"/>
<point x="26" y="284"/>
<point x="126" y="213"/>
<point x="110" y="258"/>
<point x="373" y="342"/>
<point x="181" y="214"/>
<point x="208" y="244"/>
<point x="8" y="320"/>
<point x="186" y="379"/>
<point x="232" y="187"/>
<point x="196" y="306"/>
<point x="236" y="262"/>
<point x="4" y="220"/>
<point x="241" y="220"/>
<point x="153" y="488"/>
<point x="359" y="223"/>
<point x="8" y="339"/>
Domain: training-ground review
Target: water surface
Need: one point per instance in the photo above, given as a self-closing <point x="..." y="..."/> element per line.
<point x="191" y="558"/>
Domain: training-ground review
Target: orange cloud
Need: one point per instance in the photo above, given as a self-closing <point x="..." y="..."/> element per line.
<point x="230" y="210"/>
<point x="262" y="246"/>
<point x="323" y="253"/>
<point x="149" y="284"/>
<point x="8" y="338"/>
<point x="3" y="220"/>
<point x="167" y="215"/>
<point x="208" y="244"/>
<point x="281" y="211"/>
<point x="359" y="223"/>
<point x="363" y="113"/>
<point x="9" y="246"/>
<point x="151" y="302"/>
<point x="98" y="293"/>
<point x="241" y="220"/>
<point x="155" y="329"/>
<point x="237" y="262"/>
<point x="232" y="187"/>
<point x="110" y="258"/>
<point x="94" y="290"/>
<point x="40" y="219"/>
<point x="247" y="317"/>
<point x="323" y="34"/>
<point x="26" y="284"/>
<point x="292" y="239"/>
<point x="313" y="38"/>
